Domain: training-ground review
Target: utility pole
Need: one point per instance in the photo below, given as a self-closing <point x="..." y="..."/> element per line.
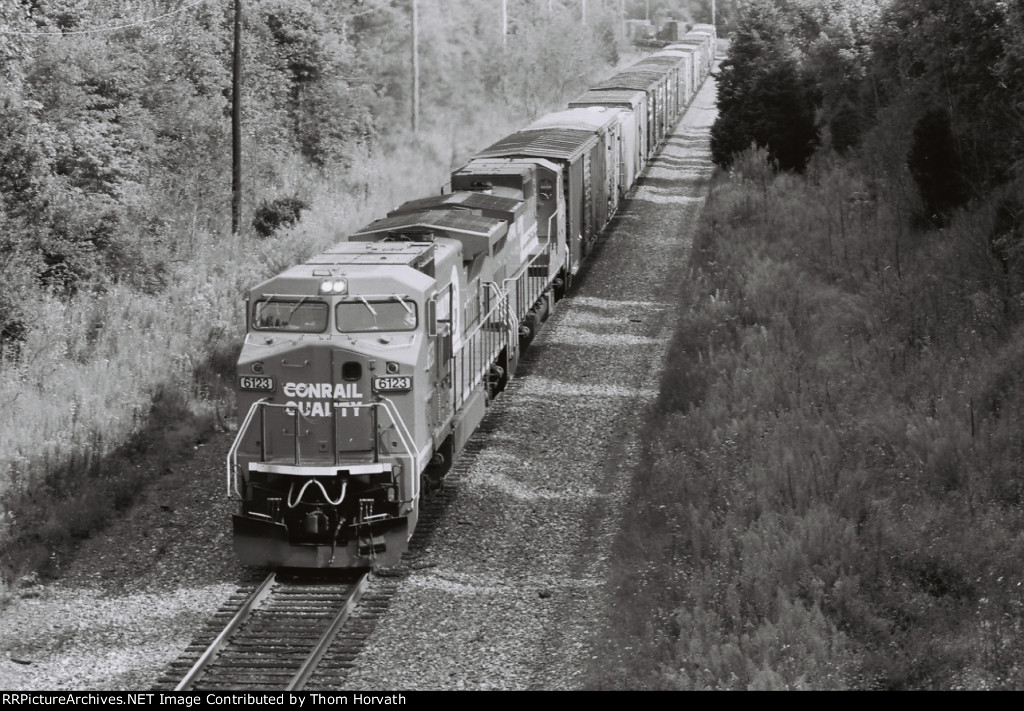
<point x="236" y="123"/>
<point x="415" y="68"/>
<point x="504" y="22"/>
<point x="583" y="11"/>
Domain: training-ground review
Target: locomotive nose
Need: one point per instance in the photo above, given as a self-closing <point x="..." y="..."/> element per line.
<point x="323" y="484"/>
<point x="327" y="415"/>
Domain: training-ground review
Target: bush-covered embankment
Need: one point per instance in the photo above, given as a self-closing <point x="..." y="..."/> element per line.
<point x="831" y="492"/>
<point x="832" y="487"/>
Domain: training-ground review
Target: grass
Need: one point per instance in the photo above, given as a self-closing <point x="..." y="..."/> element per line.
<point x="835" y="434"/>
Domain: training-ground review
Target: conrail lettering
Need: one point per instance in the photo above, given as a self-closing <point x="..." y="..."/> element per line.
<point x="325" y="391"/>
<point x="336" y="397"/>
<point x="323" y="408"/>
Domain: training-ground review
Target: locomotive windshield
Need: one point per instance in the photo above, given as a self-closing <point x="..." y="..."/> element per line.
<point x="359" y="314"/>
<point x="296" y="315"/>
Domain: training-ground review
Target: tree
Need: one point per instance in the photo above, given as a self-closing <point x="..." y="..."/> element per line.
<point x="936" y="165"/>
<point x="763" y="97"/>
<point x="313" y="66"/>
<point x="957" y="57"/>
<point x="835" y="37"/>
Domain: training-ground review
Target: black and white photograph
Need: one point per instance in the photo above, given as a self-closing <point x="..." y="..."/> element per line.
<point x="352" y="350"/>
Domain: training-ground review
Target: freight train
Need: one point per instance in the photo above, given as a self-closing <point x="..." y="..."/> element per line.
<point x="366" y="368"/>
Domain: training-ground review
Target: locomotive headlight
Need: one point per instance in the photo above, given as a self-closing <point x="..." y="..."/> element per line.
<point x="333" y="286"/>
<point x="257" y="367"/>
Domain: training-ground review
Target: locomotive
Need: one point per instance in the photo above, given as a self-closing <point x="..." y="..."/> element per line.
<point x="365" y="369"/>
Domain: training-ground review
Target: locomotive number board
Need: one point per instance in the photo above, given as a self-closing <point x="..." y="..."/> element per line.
<point x="260" y="383"/>
<point x="392" y="383"/>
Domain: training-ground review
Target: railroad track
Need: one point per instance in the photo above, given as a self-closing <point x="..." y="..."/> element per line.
<point x="277" y="634"/>
<point x="263" y="638"/>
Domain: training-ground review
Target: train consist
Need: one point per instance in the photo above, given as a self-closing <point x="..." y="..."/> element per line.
<point x="366" y="368"/>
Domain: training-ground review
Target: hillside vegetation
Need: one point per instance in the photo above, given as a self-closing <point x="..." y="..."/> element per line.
<point x="120" y="280"/>
<point x="831" y="494"/>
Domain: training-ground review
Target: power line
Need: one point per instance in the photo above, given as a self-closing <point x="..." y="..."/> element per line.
<point x="111" y="28"/>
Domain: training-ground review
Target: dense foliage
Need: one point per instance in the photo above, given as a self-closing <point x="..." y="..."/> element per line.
<point x="795" y="76"/>
<point x="112" y="140"/>
<point x="763" y="96"/>
<point x="802" y="72"/>
<point x="831" y="491"/>
<point x="115" y="142"/>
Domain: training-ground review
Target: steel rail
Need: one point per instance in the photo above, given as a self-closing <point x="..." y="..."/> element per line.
<point x="324" y="643"/>
<point x="243" y="614"/>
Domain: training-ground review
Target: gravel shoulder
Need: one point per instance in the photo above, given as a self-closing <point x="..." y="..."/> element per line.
<point x="512" y="585"/>
<point x="134" y="595"/>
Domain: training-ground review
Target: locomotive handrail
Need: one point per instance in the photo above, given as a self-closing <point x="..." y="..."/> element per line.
<point x="233" y="451"/>
<point x="466" y="350"/>
<point x="524" y="275"/>
<point x="404" y="435"/>
<point x="501" y="296"/>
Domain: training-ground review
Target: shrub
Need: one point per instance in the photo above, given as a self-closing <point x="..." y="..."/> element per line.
<point x="830" y="490"/>
<point x="277" y="213"/>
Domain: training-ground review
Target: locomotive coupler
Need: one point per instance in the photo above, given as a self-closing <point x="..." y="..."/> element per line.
<point x="313" y="520"/>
